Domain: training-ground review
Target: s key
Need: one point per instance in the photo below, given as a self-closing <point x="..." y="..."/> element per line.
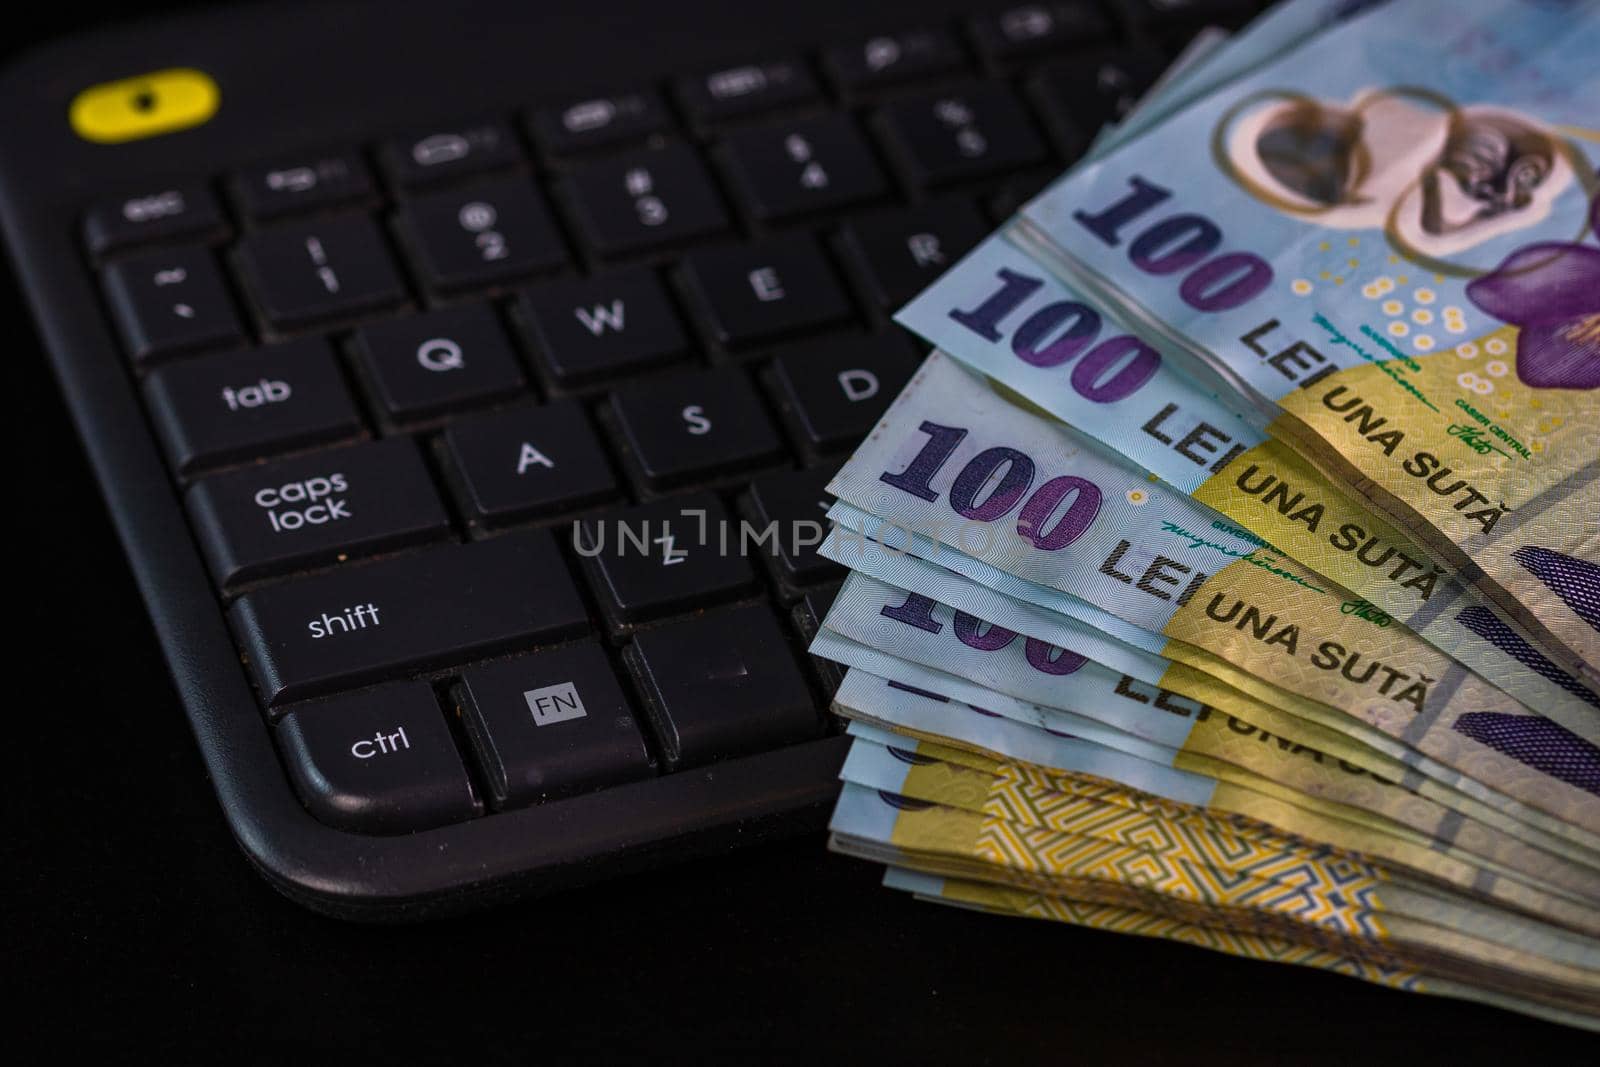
<point x="694" y="427"/>
<point x="315" y="509"/>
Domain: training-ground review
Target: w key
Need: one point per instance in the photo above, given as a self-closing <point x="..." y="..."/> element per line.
<point x="314" y="510"/>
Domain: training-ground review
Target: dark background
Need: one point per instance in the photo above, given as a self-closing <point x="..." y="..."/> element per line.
<point x="135" y="927"/>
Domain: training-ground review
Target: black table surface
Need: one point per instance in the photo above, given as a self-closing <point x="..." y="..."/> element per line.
<point x="134" y="926"/>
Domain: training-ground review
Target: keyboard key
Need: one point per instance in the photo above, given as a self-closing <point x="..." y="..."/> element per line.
<point x="477" y="235"/>
<point x="307" y="184"/>
<point x="171" y="301"/>
<point x="763" y="290"/>
<point x="962" y="134"/>
<point x="807" y="617"/>
<point x="796" y="505"/>
<point x="663" y="558"/>
<point x="721" y="685"/>
<point x="804" y="166"/>
<point x="180" y="211"/>
<point x="438" y="153"/>
<point x="598" y="122"/>
<point x="378" y="762"/>
<point x="834" y="390"/>
<point x="694" y="427"/>
<point x="892" y="58"/>
<point x="428" y="610"/>
<point x="1079" y="97"/>
<point x="423" y="365"/>
<point x="583" y="330"/>
<point x="1031" y="29"/>
<point x="643" y="200"/>
<point x="527" y="461"/>
<point x="315" y="509"/>
<point x="550" y="725"/>
<point x="899" y="253"/>
<point x="1173" y="21"/>
<point x="739" y="92"/>
<point x="241" y="406"/>
<point x="320" y="269"/>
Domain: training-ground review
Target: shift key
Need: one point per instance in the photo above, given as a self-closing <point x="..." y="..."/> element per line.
<point x="379" y="620"/>
<point x="315" y="510"/>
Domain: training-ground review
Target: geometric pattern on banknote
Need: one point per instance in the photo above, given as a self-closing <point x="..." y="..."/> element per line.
<point x="1575" y="581"/>
<point x="1487" y="625"/>
<point x="1334" y="895"/>
<point x="1032" y="777"/>
<point x="1216" y="938"/>
<point x="1537" y="742"/>
<point x="1018" y="801"/>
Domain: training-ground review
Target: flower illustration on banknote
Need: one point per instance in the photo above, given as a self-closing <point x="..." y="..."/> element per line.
<point x="1551" y="291"/>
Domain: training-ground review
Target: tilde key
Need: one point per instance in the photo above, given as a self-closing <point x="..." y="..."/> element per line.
<point x="314" y="510"/>
<point x="392" y="617"/>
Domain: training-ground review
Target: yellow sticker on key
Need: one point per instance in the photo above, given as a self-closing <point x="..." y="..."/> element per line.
<point x="129" y="109"/>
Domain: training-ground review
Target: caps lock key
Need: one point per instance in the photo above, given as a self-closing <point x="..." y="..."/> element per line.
<point x="314" y="510"/>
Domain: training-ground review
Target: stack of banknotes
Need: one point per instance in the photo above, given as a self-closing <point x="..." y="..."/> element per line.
<point x="1230" y="571"/>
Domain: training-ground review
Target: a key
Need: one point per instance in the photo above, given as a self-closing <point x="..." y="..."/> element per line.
<point x="1082" y="95"/>
<point x="1016" y="192"/>
<point x="694" y="427"/>
<point x="739" y="92"/>
<point x="643" y="200"/>
<point x="763" y="290"/>
<point x="377" y="762"/>
<point x="432" y="609"/>
<point x="240" y="406"/>
<point x="1029" y="30"/>
<point x="961" y="134"/>
<point x="807" y="617"/>
<point x="585" y="330"/>
<point x="900" y="252"/>
<point x="893" y="58"/>
<point x="177" y="212"/>
<point x="480" y="234"/>
<point x="598" y="122"/>
<point x="423" y="365"/>
<point x="315" y="509"/>
<point x="795" y="504"/>
<point x="527" y="461"/>
<point x="663" y="558"/>
<point x="550" y="725"/>
<point x="800" y="167"/>
<point x="441" y="152"/>
<point x="721" y="685"/>
<point x="310" y="183"/>
<point x="833" y="390"/>
<point x="171" y="301"/>
<point x="320" y="269"/>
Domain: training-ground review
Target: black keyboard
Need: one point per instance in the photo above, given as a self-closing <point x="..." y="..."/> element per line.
<point x="438" y="380"/>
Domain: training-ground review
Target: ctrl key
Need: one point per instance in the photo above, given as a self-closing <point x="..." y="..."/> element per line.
<point x="380" y="761"/>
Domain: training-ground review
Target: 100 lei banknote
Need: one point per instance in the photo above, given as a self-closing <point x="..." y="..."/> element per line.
<point x="1025" y="796"/>
<point x="954" y="462"/>
<point x="1008" y="901"/>
<point x="997" y="730"/>
<point x="1005" y="317"/>
<point x="1386" y="238"/>
<point x="1053" y="619"/>
<point x="1116" y="712"/>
